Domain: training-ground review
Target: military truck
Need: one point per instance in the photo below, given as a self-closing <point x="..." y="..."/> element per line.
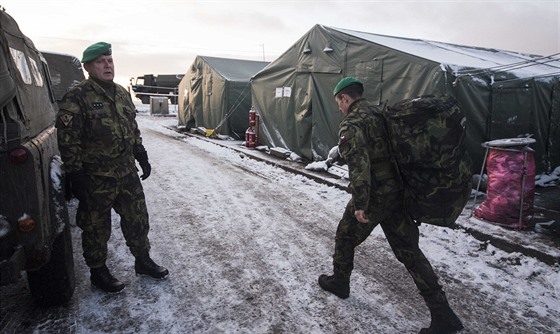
<point x="156" y="85"/>
<point x="65" y="71"/>
<point x="35" y="234"/>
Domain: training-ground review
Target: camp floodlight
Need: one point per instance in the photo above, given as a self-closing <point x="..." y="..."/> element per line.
<point x="307" y="48"/>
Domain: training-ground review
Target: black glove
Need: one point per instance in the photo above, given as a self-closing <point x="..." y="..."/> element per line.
<point x="142" y="158"/>
<point x="77" y="185"/>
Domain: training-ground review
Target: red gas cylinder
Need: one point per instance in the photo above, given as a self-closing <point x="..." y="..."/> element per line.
<point x="250" y="138"/>
<point x="252" y="117"/>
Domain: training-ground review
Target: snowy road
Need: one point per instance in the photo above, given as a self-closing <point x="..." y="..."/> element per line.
<point x="245" y="242"/>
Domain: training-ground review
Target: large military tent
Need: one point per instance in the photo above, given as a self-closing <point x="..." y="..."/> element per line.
<point x="504" y="94"/>
<point x="215" y="93"/>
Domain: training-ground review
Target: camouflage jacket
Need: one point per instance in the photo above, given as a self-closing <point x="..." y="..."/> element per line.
<point x="364" y="144"/>
<point x="97" y="132"/>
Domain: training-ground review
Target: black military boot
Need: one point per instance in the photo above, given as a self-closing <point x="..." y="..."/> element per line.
<point x="102" y="279"/>
<point x="340" y="287"/>
<point x="144" y="265"/>
<point x="444" y="321"/>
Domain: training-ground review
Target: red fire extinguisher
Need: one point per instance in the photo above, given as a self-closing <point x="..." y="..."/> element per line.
<point x="251" y="137"/>
<point x="252" y="117"/>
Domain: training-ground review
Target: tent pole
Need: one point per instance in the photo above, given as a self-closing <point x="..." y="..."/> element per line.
<point x="479" y="179"/>
<point x="524" y="175"/>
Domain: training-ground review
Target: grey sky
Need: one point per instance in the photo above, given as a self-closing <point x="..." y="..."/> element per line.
<point x="165" y="36"/>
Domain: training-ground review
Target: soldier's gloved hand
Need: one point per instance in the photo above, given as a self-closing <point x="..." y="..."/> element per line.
<point x="333" y="155"/>
<point x="77" y="185"/>
<point x="142" y="158"/>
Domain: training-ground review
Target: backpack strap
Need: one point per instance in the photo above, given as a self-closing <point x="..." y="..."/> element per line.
<point x="382" y="114"/>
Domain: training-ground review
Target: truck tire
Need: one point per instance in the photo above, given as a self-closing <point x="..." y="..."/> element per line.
<point x="145" y="99"/>
<point x="55" y="282"/>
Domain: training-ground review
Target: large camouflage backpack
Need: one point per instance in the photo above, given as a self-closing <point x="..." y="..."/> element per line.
<point x="427" y="137"/>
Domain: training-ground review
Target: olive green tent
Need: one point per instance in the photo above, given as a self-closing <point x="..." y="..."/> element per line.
<point x="215" y="93"/>
<point x="504" y="94"/>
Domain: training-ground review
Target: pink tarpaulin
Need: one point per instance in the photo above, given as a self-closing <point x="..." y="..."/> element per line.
<point x="506" y="168"/>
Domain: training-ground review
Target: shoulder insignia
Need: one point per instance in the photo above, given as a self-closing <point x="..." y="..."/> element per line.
<point x="342" y="134"/>
<point x="66" y="119"/>
<point x="97" y="105"/>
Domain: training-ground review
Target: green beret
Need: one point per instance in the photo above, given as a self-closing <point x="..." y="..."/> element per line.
<point x="95" y="50"/>
<point x="345" y="82"/>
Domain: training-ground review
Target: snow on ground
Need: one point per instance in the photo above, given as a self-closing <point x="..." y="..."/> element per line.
<point x="525" y="287"/>
<point x="246" y="241"/>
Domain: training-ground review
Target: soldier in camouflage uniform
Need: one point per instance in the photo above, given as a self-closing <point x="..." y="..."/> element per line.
<point x="377" y="199"/>
<point x="99" y="141"/>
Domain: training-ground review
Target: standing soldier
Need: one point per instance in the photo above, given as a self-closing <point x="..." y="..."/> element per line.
<point x="377" y="199"/>
<point x="99" y="141"/>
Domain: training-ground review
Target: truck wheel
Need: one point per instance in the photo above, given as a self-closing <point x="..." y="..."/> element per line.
<point x="54" y="283"/>
<point x="145" y="99"/>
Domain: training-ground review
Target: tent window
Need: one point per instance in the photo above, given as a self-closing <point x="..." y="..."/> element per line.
<point x="35" y="71"/>
<point x="371" y="71"/>
<point x="21" y="64"/>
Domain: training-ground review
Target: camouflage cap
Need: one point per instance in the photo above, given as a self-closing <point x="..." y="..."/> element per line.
<point x="345" y="82"/>
<point x="95" y="50"/>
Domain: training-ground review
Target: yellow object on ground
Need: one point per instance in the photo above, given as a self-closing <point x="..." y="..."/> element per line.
<point x="211" y="133"/>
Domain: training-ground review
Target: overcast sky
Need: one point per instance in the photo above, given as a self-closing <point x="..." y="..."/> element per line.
<point x="165" y="36"/>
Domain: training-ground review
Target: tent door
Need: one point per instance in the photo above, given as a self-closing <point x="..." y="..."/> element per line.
<point x="511" y="112"/>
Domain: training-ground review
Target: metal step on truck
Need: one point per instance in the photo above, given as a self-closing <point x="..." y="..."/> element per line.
<point x="35" y="235"/>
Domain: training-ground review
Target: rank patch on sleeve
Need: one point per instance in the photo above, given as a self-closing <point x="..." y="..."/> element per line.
<point x="66" y="119"/>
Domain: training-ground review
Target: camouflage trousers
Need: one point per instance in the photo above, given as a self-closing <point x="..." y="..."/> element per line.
<point x="126" y="197"/>
<point x="401" y="233"/>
